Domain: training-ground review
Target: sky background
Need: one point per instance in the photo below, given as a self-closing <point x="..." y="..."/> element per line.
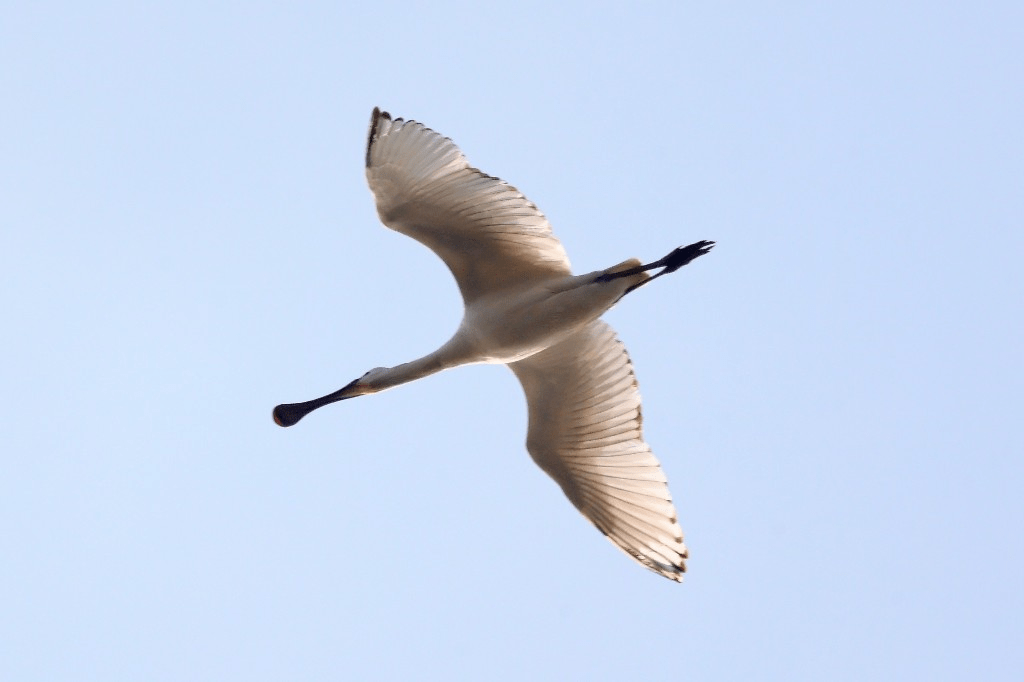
<point x="835" y="393"/>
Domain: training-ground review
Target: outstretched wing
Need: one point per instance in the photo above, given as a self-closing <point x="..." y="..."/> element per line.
<point x="488" y="234"/>
<point x="585" y="433"/>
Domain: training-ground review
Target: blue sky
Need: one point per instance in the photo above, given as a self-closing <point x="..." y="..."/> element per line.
<point x="835" y="392"/>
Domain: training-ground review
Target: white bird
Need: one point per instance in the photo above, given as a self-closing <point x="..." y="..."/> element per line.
<point x="525" y="309"/>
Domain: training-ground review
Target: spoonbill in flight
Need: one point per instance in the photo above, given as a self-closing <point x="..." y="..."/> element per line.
<point x="524" y="308"/>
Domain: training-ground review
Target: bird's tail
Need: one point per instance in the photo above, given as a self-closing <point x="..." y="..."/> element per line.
<point x="633" y="280"/>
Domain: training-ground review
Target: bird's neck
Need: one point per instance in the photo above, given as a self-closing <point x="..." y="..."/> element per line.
<point x="443" y="358"/>
<point x="406" y="372"/>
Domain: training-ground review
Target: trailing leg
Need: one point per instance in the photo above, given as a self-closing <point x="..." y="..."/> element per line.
<point x="672" y="262"/>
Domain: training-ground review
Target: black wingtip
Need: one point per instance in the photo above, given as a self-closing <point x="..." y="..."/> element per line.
<point x="374" y="122"/>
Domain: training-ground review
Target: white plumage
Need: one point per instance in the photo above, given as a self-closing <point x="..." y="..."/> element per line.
<point x="524" y="308"/>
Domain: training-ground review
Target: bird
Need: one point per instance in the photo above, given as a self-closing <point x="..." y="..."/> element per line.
<point x="525" y="309"/>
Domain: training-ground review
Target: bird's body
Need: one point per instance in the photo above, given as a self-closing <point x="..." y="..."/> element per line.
<point x="524" y="308"/>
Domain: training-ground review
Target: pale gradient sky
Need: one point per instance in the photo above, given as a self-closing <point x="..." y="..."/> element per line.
<point x="835" y="392"/>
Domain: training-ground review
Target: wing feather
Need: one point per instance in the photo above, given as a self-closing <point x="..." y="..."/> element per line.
<point x="585" y="432"/>
<point x="488" y="234"/>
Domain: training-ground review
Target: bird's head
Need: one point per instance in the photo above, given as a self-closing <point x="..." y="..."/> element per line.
<point x="369" y="382"/>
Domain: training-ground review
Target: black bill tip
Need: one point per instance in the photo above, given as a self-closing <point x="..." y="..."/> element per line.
<point x="287" y="415"/>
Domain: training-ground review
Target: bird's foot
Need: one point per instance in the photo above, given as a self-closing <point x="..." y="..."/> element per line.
<point x="685" y="254"/>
